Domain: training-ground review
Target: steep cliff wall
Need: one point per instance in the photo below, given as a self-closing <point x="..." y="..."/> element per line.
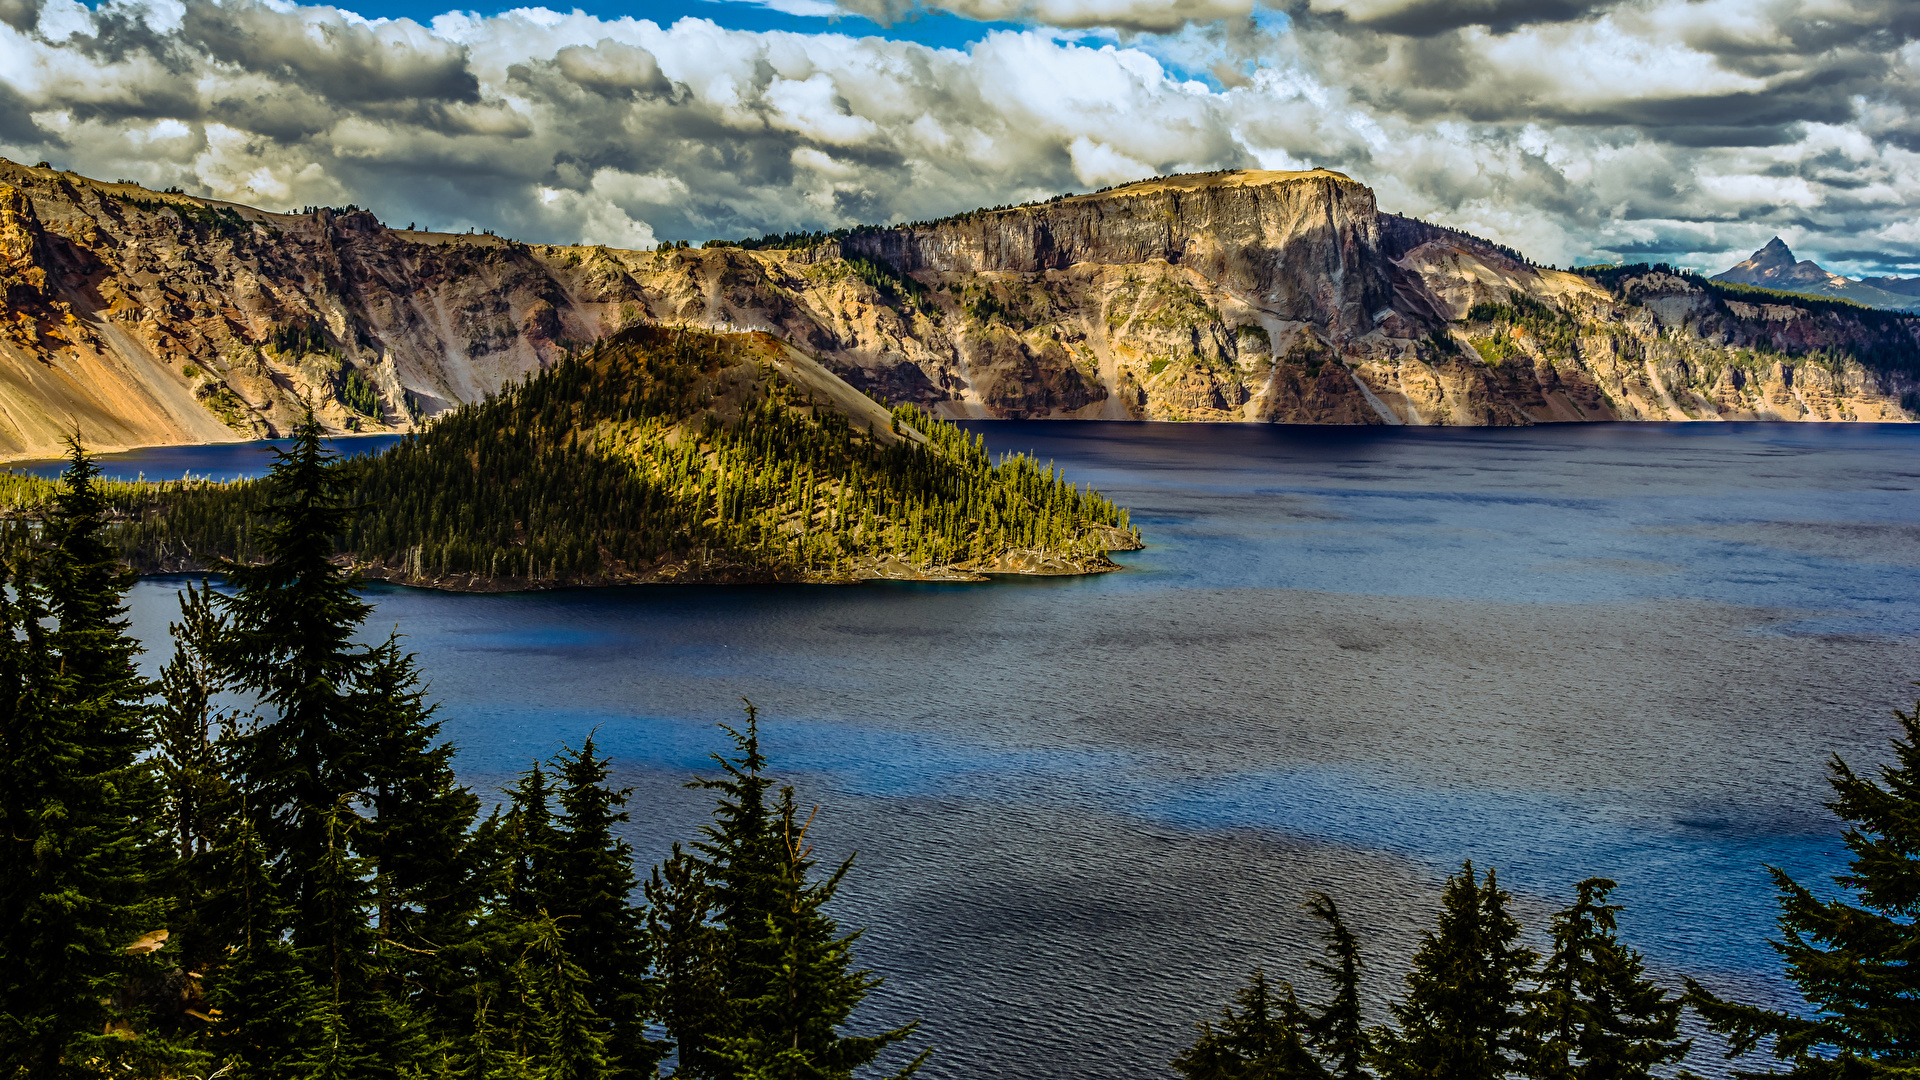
<point x="139" y="317"/>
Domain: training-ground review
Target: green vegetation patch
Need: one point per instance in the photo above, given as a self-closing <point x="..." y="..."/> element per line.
<point x="358" y="393"/>
<point x="1496" y="350"/>
<point x="891" y="284"/>
<point x="665" y="447"/>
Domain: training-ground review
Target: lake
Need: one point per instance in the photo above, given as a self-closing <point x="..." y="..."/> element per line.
<point x="1085" y="808"/>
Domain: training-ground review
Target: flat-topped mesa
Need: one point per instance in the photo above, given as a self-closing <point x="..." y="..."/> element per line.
<point x="1304" y="246"/>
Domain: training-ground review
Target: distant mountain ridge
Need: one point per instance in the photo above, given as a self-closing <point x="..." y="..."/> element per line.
<point x="144" y="318"/>
<point x="1773" y="267"/>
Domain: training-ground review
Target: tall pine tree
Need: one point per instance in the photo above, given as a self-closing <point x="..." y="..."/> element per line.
<point x="1338" y="1030"/>
<point x="358" y="825"/>
<point x="1461" y="1018"/>
<point x="293" y="616"/>
<point x="790" y="1013"/>
<point x="593" y="890"/>
<point x="84" y="857"/>
<point x="1594" y="1014"/>
<point x="758" y="980"/>
<point x="1857" y="964"/>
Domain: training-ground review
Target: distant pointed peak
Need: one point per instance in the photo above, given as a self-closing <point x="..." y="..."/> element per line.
<point x="1777" y="244"/>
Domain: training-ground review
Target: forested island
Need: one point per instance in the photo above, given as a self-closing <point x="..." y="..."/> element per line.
<point x="299" y="887"/>
<point x="658" y="455"/>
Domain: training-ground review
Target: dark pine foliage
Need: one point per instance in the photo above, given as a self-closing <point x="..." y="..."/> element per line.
<point x="1594" y="1014"/>
<point x="83" y="849"/>
<point x="661" y="448"/>
<point x="760" y="980"/>
<point x="1272" y="1036"/>
<point x="1857" y="964"/>
<point x="1462" y="1015"/>
<point x="1260" y="1040"/>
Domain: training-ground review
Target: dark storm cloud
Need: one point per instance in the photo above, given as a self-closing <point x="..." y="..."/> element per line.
<point x="20" y="14"/>
<point x="15" y="123"/>
<point x="324" y="53"/>
<point x="1425" y="18"/>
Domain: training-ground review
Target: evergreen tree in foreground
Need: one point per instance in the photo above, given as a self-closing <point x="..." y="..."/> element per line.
<point x="83" y="859"/>
<point x="790" y="1011"/>
<point x="1461" y="1018"/>
<point x="1339" y="1030"/>
<point x="1260" y="1041"/>
<point x="1274" y="1037"/>
<point x="759" y="980"/>
<point x="1857" y="964"/>
<point x="346" y="873"/>
<point x="1594" y="1014"/>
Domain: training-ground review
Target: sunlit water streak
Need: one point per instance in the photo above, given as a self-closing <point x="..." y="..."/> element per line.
<point x="1350" y="659"/>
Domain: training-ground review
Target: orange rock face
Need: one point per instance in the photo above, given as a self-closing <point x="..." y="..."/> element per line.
<point x="138" y="317"/>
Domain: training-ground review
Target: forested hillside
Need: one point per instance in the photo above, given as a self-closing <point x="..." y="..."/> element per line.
<point x="666" y="455"/>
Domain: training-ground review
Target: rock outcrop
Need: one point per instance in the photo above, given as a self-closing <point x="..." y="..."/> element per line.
<point x="140" y="317"/>
<point x="1773" y="267"/>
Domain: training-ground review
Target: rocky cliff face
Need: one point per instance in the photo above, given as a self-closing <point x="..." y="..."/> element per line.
<point x="139" y="317"/>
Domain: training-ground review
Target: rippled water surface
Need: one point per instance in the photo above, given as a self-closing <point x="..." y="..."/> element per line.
<point x="1349" y="659"/>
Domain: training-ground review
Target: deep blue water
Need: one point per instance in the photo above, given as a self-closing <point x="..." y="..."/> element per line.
<point x="222" y="461"/>
<point x="1349" y="659"/>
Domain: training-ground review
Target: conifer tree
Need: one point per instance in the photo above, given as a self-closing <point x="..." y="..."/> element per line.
<point x="1261" y="1041"/>
<point x="359" y="828"/>
<point x="531" y="845"/>
<point x="1594" y="1014"/>
<point x="83" y="855"/>
<point x="790" y="1013"/>
<point x="1461" y="1017"/>
<point x="1338" y="1031"/>
<point x="592" y="890"/>
<point x="573" y="1034"/>
<point x="1274" y="1036"/>
<point x="293" y="616"/>
<point x="1856" y="963"/>
<point x="263" y="1006"/>
<point x="416" y="835"/>
<point x="738" y="866"/>
<point x="686" y="956"/>
<point x="192" y="741"/>
<point x="758" y="981"/>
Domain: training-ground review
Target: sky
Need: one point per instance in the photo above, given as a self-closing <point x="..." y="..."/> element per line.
<point x="1578" y="131"/>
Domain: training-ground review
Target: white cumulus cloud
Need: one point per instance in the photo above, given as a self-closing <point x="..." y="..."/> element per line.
<point x="1685" y="129"/>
